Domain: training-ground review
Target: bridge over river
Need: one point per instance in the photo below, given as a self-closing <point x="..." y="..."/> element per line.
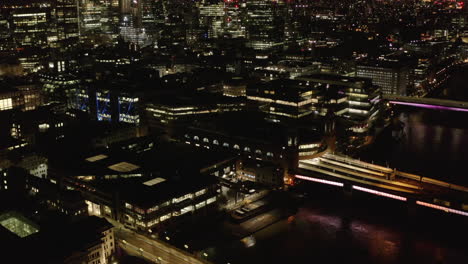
<point x="355" y="175"/>
<point x="424" y="102"/>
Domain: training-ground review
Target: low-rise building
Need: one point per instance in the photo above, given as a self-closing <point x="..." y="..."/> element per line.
<point x="148" y="191"/>
<point x="90" y="240"/>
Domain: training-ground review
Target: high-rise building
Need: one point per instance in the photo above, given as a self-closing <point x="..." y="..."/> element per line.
<point x="127" y="106"/>
<point x="68" y="30"/>
<point x="6" y="43"/>
<point x="233" y="19"/>
<point x="78" y="99"/>
<point x="211" y="19"/>
<point x="30" y="26"/>
<point x="25" y="24"/>
<point x="90" y="20"/>
<point x="265" y="27"/>
<point x="103" y="105"/>
<point x="354" y="99"/>
<point x="152" y="17"/>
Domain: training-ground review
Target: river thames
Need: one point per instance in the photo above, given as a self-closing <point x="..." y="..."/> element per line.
<point x="331" y="227"/>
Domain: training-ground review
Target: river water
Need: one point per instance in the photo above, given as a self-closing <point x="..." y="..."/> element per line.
<point x="435" y="142"/>
<point x="332" y="227"/>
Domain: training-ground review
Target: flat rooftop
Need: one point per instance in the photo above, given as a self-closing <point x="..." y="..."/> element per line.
<point x="254" y="127"/>
<point x="18" y="224"/>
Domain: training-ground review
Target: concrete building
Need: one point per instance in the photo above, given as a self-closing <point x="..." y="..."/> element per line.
<point x="90" y="240"/>
<point x="265" y="27"/>
<point x="148" y="196"/>
<point x="391" y="77"/>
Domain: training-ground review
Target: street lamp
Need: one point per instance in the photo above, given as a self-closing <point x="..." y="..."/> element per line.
<point x="168" y="238"/>
<point x="186" y="246"/>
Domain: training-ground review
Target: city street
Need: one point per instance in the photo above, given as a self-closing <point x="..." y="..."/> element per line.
<point x="155" y="251"/>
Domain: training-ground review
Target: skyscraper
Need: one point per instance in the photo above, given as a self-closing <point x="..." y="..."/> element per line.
<point x="265" y="28"/>
<point x="66" y="16"/>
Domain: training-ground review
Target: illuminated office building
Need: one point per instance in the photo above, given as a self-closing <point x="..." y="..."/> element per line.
<point x="211" y="18"/>
<point x="391" y="77"/>
<point x="285" y="98"/>
<point x="356" y="100"/>
<point x="24" y="97"/>
<point x="152" y="17"/>
<point x="32" y="96"/>
<point x="30" y="26"/>
<point x="127" y="109"/>
<point x="6" y="43"/>
<point x="11" y="99"/>
<point x="265" y="26"/>
<point x="141" y="20"/>
<point x="103" y="105"/>
<point x="127" y="191"/>
<point x="78" y="99"/>
<point x="135" y="35"/>
<point x="235" y="87"/>
<point x="55" y="86"/>
<point x="98" y="21"/>
<point x="67" y="23"/>
<point x="172" y="111"/>
<point x="233" y="19"/>
<point x="90" y="18"/>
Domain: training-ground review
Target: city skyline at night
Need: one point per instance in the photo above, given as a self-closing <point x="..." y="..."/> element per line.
<point x="233" y="131"/>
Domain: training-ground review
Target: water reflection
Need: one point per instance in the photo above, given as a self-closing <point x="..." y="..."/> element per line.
<point x="328" y="232"/>
<point x="433" y="145"/>
<point x="334" y="233"/>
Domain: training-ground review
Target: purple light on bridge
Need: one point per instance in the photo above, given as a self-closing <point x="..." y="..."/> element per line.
<point x="434" y="107"/>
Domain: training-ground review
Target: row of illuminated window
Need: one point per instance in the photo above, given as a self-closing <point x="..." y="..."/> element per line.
<point x="307" y="146"/>
<point x="307" y="153"/>
<point x="184" y="210"/>
<point x="236" y="146"/>
<point x="29" y="14"/>
<point x="17" y="146"/>
<point x="6" y="104"/>
<point x="359" y="103"/>
<point x="174" y="200"/>
<point x="128" y="99"/>
<point x="296" y="116"/>
<point x="282" y="102"/>
<point x="172" y="113"/>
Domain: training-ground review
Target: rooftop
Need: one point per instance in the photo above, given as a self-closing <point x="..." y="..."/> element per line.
<point x="18" y="224"/>
<point x="154" y="181"/>
<point x="252" y="126"/>
<point x="123" y="167"/>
